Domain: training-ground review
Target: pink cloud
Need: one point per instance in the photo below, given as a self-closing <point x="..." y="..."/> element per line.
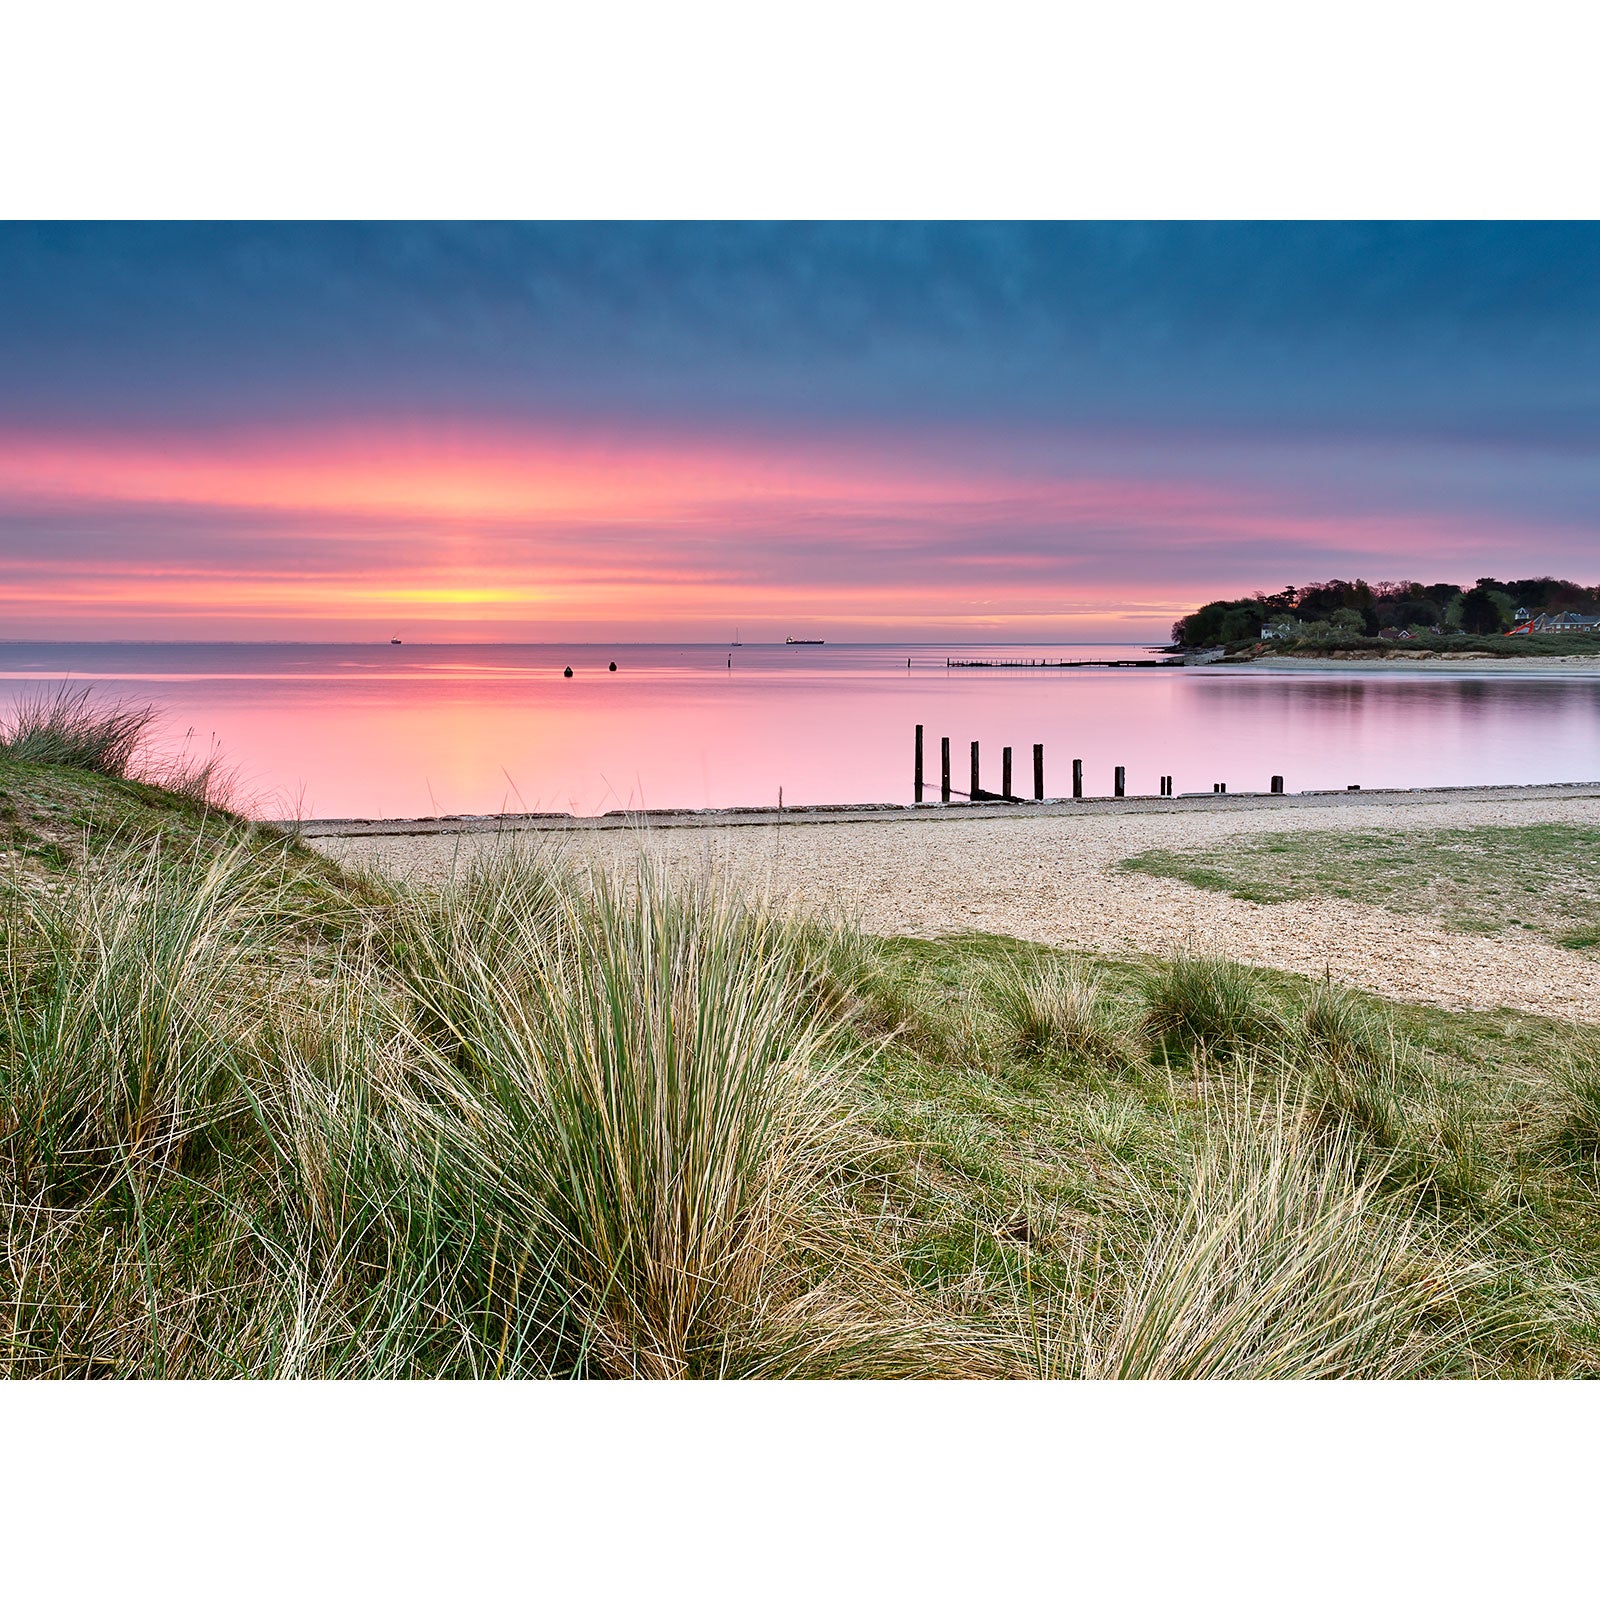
<point x="491" y="533"/>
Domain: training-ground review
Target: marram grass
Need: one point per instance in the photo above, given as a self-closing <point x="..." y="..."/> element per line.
<point x="69" y="727"/>
<point x="1057" y="1013"/>
<point x="1285" y="1258"/>
<point x="530" y="1125"/>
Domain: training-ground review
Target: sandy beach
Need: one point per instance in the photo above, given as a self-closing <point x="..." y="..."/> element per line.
<point x="1048" y="874"/>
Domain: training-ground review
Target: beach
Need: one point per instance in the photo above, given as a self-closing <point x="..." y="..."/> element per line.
<point x="1050" y="874"/>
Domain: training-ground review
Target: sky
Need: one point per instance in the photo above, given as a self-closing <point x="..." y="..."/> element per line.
<point x="669" y="431"/>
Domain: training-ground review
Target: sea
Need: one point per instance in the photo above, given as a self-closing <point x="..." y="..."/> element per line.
<point x="417" y="729"/>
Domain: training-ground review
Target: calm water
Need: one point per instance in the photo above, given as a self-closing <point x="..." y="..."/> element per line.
<point x="414" y="730"/>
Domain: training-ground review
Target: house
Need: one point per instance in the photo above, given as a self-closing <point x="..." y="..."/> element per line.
<point x="1519" y="615"/>
<point x="1395" y="633"/>
<point x="1564" y="622"/>
<point x="1284" y="628"/>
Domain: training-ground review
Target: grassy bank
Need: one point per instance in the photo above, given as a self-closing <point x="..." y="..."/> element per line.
<point x="1544" y="877"/>
<point x="261" y="1118"/>
<point x="1499" y="647"/>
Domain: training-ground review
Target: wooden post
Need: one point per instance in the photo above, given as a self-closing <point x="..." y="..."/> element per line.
<point x="975" y="785"/>
<point x="1077" y="779"/>
<point x="916" y="776"/>
<point x="1005" y="771"/>
<point x="1277" y="785"/>
<point x="944" y="770"/>
<point x="1038" y="772"/>
<point x="1119" y="781"/>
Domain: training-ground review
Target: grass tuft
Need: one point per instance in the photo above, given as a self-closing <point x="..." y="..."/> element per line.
<point x="63" y="727"/>
<point x="1284" y="1259"/>
<point x="121" y="1012"/>
<point x="1575" y="1069"/>
<point x="1057" y="1013"/>
<point x="629" y="1079"/>
<point x="1203" y="1002"/>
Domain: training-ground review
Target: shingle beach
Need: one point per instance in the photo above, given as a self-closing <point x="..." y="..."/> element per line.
<point x="1048" y="874"/>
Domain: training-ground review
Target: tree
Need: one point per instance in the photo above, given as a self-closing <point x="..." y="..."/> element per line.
<point x="1479" y="613"/>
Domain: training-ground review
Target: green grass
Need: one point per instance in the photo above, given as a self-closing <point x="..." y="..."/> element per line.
<point x="1019" y="1183"/>
<point x="1544" y="877"/>
<point x="1501" y="646"/>
<point x="67" y="727"/>
<point x="258" y="1118"/>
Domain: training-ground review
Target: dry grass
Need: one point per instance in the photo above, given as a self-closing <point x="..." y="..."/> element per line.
<point x="1284" y="1259"/>
<point x="634" y="1082"/>
<point x="530" y="1125"/>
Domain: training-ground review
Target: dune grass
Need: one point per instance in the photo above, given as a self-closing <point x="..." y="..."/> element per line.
<point x="1057" y="1013"/>
<point x="1203" y="1001"/>
<point x="535" y="1125"/>
<point x="542" y="1124"/>
<point x="1285" y="1260"/>
<point x="71" y="728"/>
<point x="259" y="1118"/>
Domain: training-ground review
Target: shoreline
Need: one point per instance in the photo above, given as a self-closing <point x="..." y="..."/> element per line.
<point x="1461" y="663"/>
<point x="928" y="811"/>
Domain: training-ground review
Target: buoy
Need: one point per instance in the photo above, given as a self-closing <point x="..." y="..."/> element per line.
<point x="612" y="667"/>
<point x="567" y="673"/>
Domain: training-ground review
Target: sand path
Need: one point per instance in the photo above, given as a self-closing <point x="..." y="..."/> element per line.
<point x="1050" y="876"/>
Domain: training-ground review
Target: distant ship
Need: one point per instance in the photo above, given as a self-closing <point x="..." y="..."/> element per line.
<point x="394" y="641"/>
<point x="736" y="644"/>
<point x="805" y="641"/>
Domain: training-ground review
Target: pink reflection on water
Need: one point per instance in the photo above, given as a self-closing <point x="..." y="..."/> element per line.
<point x="372" y="731"/>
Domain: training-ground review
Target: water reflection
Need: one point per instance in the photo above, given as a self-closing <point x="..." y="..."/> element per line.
<point x="382" y="731"/>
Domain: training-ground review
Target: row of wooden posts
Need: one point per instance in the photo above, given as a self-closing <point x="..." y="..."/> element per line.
<point x="976" y="791"/>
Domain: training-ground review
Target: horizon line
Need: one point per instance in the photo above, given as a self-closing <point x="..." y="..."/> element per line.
<point x="572" y="644"/>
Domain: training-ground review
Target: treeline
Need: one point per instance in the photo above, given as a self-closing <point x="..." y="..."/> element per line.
<point x="1364" y="609"/>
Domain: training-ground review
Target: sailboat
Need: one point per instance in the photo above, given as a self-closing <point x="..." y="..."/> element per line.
<point x="735" y="645"/>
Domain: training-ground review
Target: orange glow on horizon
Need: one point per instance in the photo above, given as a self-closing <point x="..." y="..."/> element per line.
<point x="492" y="533"/>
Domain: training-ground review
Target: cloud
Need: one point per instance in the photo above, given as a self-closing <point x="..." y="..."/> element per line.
<point x="542" y="531"/>
<point x="1487" y="331"/>
<point x="660" y="426"/>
